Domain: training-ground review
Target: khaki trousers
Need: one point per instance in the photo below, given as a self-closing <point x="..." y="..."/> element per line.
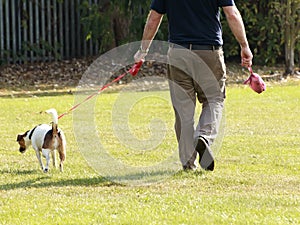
<point x="196" y="75"/>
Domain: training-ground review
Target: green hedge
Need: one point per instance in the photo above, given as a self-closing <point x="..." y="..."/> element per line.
<point x="263" y="33"/>
<point x="262" y="22"/>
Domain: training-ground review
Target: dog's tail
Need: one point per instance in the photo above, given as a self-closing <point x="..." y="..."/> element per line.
<point x="53" y="112"/>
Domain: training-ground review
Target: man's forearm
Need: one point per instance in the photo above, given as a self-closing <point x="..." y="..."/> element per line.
<point x="153" y="22"/>
<point x="236" y="25"/>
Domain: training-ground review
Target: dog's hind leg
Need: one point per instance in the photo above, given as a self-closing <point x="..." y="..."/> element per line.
<point x="46" y="153"/>
<point x="53" y="154"/>
<point x="62" y="157"/>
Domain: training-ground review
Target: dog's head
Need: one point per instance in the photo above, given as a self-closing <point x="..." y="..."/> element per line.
<point x="21" y="139"/>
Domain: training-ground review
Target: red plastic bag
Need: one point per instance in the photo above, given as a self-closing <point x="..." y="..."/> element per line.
<point x="255" y="82"/>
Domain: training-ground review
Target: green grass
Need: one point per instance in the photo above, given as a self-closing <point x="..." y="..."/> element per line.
<point x="256" y="180"/>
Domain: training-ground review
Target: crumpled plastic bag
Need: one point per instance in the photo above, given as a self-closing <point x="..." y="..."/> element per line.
<point x="255" y="82"/>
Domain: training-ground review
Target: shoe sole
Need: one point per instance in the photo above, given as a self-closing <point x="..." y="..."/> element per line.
<point x="206" y="158"/>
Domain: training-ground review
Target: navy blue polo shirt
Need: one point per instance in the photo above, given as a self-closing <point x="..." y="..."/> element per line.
<point x="193" y="21"/>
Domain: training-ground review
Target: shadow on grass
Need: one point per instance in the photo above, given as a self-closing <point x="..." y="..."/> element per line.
<point x="44" y="182"/>
<point x="188" y="173"/>
<point x="50" y="180"/>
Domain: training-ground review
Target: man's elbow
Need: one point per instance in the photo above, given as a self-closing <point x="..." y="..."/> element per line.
<point x="232" y="13"/>
<point x="154" y="19"/>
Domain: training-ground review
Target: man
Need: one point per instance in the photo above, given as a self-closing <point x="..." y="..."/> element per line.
<point x="196" y="68"/>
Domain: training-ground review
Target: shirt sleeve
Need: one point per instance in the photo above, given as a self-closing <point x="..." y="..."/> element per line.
<point x="159" y="6"/>
<point x="222" y="3"/>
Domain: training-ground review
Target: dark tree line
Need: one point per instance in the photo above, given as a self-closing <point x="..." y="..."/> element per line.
<point x="273" y="28"/>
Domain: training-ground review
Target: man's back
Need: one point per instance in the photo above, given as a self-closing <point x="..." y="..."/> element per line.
<point x="193" y="21"/>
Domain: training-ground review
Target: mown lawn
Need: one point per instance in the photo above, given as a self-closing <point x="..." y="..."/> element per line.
<point x="256" y="180"/>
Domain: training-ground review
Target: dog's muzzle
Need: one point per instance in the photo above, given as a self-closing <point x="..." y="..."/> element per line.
<point x="22" y="149"/>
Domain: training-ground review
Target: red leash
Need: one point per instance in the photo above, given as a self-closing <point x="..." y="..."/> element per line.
<point x="133" y="71"/>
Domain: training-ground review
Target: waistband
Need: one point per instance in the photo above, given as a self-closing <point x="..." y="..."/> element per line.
<point x="196" y="46"/>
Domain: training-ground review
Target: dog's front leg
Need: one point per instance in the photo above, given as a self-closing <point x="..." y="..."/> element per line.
<point x="38" y="155"/>
<point x="46" y="153"/>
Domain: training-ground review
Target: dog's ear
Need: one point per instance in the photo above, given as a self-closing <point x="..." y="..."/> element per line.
<point x="19" y="137"/>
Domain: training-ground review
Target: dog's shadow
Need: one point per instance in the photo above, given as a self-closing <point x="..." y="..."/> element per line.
<point x="46" y="181"/>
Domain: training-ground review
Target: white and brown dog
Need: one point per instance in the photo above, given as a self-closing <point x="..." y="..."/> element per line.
<point x="46" y="139"/>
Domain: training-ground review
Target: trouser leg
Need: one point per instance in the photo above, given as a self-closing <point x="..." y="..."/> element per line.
<point x="192" y="74"/>
<point x="183" y="100"/>
<point x="210" y="88"/>
<point x="209" y="121"/>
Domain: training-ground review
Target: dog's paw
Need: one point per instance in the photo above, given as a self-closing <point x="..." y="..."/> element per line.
<point x="61" y="168"/>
